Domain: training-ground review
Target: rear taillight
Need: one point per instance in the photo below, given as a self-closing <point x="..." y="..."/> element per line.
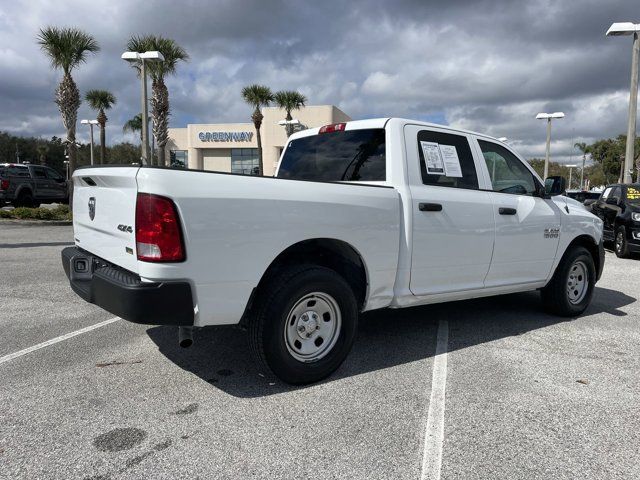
<point x="158" y="233"/>
<point x="334" y="127"/>
<point x="4" y="184"/>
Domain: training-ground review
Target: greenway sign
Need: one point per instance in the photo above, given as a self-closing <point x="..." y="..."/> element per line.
<point x="225" y="136"/>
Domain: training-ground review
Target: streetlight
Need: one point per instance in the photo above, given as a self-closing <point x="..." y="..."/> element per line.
<point x="288" y="125"/>
<point x="548" y="117"/>
<point x="570" y="167"/>
<point x="141" y="58"/>
<point x="628" y="28"/>
<point x="91" y="123"/>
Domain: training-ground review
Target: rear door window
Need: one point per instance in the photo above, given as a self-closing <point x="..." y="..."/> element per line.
<point x="39" y="172"/>
<point x="448" y="162"/>
<point x="351" y="155"/>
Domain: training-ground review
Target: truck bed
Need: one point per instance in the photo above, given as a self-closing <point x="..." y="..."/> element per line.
<point x="234" y="226"/>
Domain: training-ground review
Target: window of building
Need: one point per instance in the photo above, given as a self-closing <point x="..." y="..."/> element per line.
<point x="179" y="159"/>
<point x="244" y="161"/>
<point x="508" y="174"/>
<point x="469" y="178"/>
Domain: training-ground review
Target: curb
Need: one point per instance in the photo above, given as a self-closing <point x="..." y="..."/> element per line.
<point x="35" y="223"/>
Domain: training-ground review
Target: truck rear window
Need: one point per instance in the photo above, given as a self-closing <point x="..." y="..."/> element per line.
<point x="350" y="155"/>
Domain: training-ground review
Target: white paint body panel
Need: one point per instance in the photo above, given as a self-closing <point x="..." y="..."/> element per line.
<point x="235" y="226"/>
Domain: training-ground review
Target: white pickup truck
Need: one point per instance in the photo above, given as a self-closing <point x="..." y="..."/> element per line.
<point x="360" y="215"/>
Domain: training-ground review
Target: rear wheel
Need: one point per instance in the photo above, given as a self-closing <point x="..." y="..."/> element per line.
<point x="621" y="247"/>
<point x="570" y="290"/>
<point x="25" y="199"/>
<point x="304" y="324"/>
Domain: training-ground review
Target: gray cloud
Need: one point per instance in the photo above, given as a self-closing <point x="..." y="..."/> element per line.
<point x="488" y="66"/>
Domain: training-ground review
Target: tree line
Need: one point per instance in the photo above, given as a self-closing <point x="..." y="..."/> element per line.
<point x="607" y="156"/>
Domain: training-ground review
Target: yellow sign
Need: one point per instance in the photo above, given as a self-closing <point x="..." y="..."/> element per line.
<point x="633" y="193"/>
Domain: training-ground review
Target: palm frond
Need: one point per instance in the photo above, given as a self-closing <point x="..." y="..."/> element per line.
<point x="289" y="100"/>
<point x="100" y="99"/>
<point x="257" y="95"/>
<point x="66" y="47"/>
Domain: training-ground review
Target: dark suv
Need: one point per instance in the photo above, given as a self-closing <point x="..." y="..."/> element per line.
<point x="30" y="185"/>
<point x="619" y="209"/>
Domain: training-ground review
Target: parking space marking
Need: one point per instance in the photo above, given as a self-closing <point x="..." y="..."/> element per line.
<point x="53" y="341"/>
<point x="434" y="431"/>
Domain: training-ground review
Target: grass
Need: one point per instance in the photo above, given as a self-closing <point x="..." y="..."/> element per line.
<point x="61" y="212"/>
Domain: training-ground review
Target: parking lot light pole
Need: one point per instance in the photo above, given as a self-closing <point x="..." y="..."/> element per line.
<point x="548" y="117"/>
<point x="570" y="167"/>
<point x="628" y="28"/>
<point x="91" y="123"/>
<point x="141" y="58"/>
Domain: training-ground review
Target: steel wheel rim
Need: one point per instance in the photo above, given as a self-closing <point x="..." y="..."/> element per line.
<point x="577" y="282"/>
<point x="619" y="240"/>
<point x="313" y="327"/>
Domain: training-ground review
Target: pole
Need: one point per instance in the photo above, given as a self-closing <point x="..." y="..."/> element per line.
<point x="145" y="126"/>
<point x="91" y="128"/>
<point x="582" y="172"/>
<point x="570" y="172"/>
<point x="633" y="111"/>
<point x="546" y="158"/>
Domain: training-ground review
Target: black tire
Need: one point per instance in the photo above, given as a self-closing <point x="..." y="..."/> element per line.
<point x="555" y="295"/>
<point x="268" y="323"/>
<point x="620" y="244"/>
<point x="25" y="199"/>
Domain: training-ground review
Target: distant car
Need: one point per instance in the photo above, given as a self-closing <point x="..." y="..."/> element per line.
<point x="619" y="209"/>
<point x="583" y="196"/>
<point x="30" y="185"/>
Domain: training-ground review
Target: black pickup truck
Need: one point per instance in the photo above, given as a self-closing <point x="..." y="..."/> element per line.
<point x="619" y="209"/>
<point x="30" y="185"/>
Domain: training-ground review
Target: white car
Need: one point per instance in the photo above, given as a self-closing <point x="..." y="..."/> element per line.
<point x="360" y="215"/>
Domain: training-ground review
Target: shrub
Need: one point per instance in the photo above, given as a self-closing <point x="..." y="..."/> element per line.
<point x="61" y="212"/>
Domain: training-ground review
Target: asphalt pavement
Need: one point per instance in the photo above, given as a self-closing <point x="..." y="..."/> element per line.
<point x="528" y="395"/>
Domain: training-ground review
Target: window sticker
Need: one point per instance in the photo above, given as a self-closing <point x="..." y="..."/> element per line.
<point x="633" y="193"/>
<point x="432" y="158"/>
<point x="451" y="160"/>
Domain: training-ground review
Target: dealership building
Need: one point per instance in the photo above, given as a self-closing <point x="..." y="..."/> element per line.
<point x="233" y="147"/>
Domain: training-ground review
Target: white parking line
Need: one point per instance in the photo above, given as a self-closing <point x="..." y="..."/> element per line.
<point x="61" y="338"/>
<point x="434" y="431"/>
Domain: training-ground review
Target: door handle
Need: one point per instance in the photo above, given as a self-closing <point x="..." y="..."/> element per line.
<point x="430" y="207"/>
<point x="507" y="211"/>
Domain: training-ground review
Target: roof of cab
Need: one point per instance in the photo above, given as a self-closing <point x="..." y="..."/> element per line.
<point x="382" y="122"/>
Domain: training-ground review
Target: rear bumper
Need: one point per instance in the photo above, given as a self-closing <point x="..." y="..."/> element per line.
<point x="123" y="293"/>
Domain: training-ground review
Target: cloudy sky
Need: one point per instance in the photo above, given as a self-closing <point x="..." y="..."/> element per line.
<point x="488" y="66"/>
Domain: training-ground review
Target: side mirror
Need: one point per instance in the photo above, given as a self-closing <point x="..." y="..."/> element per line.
<point x="555" y="185"/>
<point x="612" y="201"/>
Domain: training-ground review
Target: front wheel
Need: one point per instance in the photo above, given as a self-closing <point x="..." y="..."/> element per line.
<point x="304" y="324"/>
<point x="570" y="290"/>
<point x="621" y="246"/>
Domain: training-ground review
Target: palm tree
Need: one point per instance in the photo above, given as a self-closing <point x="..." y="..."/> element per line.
<point x="67" y="48"/>
<point x="584" y="148"/>
<point x="42" y="149"/>
<point x="101" y="100"/>
<point x="289" y="100"/>
<point x="134" y="125"/>
<point x="258" y="96"/>
<point x="172" y="53"/>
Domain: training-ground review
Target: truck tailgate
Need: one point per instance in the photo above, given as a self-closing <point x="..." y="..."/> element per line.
<point x="104" y="210"/>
